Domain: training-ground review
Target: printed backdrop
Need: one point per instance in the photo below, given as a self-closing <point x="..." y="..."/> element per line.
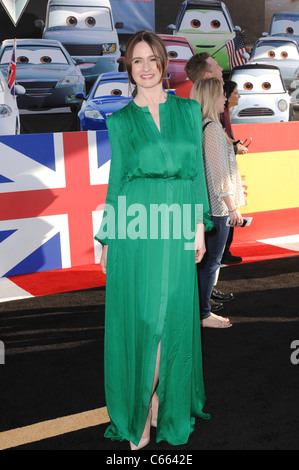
<point x="135" y="14"/>
<point x="52" y="186"/>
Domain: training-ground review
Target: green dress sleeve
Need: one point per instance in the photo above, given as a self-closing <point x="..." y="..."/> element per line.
<point x="200" y="186"/>
<point x="107" y="228"/>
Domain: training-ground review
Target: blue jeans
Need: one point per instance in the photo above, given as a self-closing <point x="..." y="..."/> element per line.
<point x="206" y="269"/>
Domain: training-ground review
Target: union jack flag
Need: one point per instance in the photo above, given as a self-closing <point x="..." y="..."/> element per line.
<point x="236" y="47"/>
<point x="11" y="72"/>
<point x="50" y="188"/>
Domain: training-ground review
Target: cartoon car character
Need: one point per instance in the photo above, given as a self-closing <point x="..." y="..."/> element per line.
<point x="9" y="112"/>
<point x="47" y="72"/>
<point x="86" y="29"/>
<point x="208" y="26"/>
<point x="285" y="23"/>
<point x="109" y="93"/>
<point x="179" y="51"/>
<point x="263" y="95"/>
<point x="281" y="52"/>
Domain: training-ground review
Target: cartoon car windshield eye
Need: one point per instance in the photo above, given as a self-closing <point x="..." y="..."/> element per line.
<point x="204" y="21"/>
<point x="282" y="26"/>
<point x="36" y="55"/>
<point x="276" y="50"/>
<point x="79" y="17"/>
<point x="90" y="21"/>
<point x="71" y="21"/>
<point x="113" y="88"/>
<point x="179" y="52"/>
<point x="259" y="84"/>
<point x="22" y="59"/>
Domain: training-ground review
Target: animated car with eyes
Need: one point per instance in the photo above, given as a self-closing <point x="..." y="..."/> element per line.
<point x="109" y="93"/>
<point x="9" y="112"/>
<point x="46" y="71"/>
<point x="86" y="29"/>
<point x="281" y="52"/>
<point x="285" y="23"/>
<point x="208" y="26"/>
<point x="263" y="95"/>
<point x="179" y="51"/>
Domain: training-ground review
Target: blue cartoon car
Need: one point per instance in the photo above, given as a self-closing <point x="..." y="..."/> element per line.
<point x="108" y="94"/>
<point x="207" y="24"/>
<point x="86" y="29"/>
<point x="46" y="71"/>
<point x="285" y="23"/>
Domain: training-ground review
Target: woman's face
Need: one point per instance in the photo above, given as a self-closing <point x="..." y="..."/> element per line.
<point x="145" y="66"/>
<point x="233" y="100"/>
<point x="221" y="103"/>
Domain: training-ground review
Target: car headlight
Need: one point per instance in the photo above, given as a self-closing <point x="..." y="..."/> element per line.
<point x="70" y="79"/>
<point x="108" y="48"/>
<point x="282" y="105"/>
<point x="93" y="114"/>
<point x="5" y="111"/>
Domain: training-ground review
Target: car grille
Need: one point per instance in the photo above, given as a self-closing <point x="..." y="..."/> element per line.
<point x="84" y="49"/>
<point x="253" y="112"/>
<point x="37" y="85"/>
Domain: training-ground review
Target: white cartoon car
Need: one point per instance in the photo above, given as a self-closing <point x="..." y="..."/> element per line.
<point x="285" y="23"/>
<point x="9" y="112"/>
<point x="263" y="95"/>
<point x="279" y="51"/>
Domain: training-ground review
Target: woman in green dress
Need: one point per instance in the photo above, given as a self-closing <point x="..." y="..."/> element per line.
<point x="152" y="232"/>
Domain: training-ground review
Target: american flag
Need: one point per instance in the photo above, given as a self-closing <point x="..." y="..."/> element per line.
<point x="11" y="73"/>
<point x="236" y="47"/>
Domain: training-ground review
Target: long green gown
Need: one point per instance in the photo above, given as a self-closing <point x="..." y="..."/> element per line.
<point x="151" y="281"/>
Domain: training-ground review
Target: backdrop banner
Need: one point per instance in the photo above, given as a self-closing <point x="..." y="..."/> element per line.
<point x="134" y="14"/>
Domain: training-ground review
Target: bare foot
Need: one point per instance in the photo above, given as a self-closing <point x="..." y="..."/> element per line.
<point x="214" y="321"/>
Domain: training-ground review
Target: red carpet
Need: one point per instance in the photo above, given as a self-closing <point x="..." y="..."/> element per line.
<point x="91" y="276"/>
<point x="256" y="251"/>
<point x="63" y="280"/>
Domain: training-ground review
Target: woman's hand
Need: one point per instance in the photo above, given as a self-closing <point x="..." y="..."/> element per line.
<point x="236" y="220"/>
<point x="103" y="261"/>
<point x="200" y="246"/>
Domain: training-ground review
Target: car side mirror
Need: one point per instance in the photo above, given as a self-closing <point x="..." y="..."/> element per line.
<point x="39" y="24"/>
<point x="237" y="29"/>
<point x="20" y="90"/>
<point x="81" y="96"/>
<point x="119" y="25"/>
<point x="246" y="56"/>
<point x="171" y="27"/>
<point x="265" y="35"/>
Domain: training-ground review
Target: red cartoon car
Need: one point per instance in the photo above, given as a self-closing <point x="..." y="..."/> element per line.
<point x="179" y="52"/>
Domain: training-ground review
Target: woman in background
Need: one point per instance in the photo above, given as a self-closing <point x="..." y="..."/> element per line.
<point x="224" y="191"/>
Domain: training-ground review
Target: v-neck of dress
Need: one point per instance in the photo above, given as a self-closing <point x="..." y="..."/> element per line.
<point x="146" y="111"/>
